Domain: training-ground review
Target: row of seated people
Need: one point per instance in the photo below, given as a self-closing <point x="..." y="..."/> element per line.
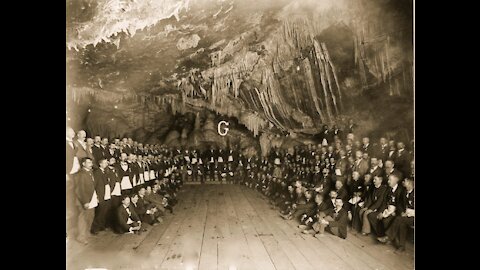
<point x="386" y="207"/>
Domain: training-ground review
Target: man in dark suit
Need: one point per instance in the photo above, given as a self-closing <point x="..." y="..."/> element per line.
<point x="127" y="220"/>
<point x="102" y="188"/>
<point x="322" y="208"/>
<point x="335" y="131"/>
<point x="104" y="146"/>
<point x="336" y="222"/>
<point x="366" y="146"/>
<point x="81" y="145"/>
<point x="97" y="149"/>
<point x="392" y="208"/>
<point x="382" y="149"/>
<point x="360" y="165"/>
<point x="401" y="224"/>
<point x="86" y="199"/>
<point x="373" y="204"/>
<point x="390" y="168"/>
<point x="374" y="168"/>
<point x="402" y="159"/>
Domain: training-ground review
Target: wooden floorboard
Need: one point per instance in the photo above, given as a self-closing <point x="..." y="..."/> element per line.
<point x="226" y="226"/>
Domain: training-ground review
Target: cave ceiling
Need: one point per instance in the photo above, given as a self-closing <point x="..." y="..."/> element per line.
<point x="290" y="64"/>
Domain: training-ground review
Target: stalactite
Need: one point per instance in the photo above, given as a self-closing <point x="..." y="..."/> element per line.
<point x="321" y="67"/>
<point x="311" y="87"/>
<point x="328" y="63"/>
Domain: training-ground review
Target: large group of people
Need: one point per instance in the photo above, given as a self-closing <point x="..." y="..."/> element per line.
<point x="332" y="186"/>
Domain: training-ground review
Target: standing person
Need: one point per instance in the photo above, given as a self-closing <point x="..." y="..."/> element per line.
<point x="102" y="188"/>
<point x="81" y="145"/>
<point x="115" y="201"/>
<point x="97" y="150"/>
<point x="341" y="167"/>
<point x="86" y="198"/>
<point x="72" y="166"/>
<point x="125" y="174"/>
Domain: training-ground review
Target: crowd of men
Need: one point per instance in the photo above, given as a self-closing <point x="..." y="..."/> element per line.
<point x="336" y="184"/>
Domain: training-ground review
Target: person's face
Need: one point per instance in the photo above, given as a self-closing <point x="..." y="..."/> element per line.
<point x="126" y="201"/>
<point x="103" y="164"/>
<point x="365" y="156"/>
<point x="123" y="157"/>
<point x="81" y="135"/>
<point x="130" y="141"/>
<point x="88" y="164"/>
<point x="388" y="164"/>
<point x="124" y="140"/>
<point x="392" y="180"/>
<point x="333" y="194"/>
<point x="374" y="162"/>
<point x="89" y="141"/>
<point x="338" y="203"/>
<point x="332" y="161"/>
<point x="356" y="175"/>
<point x="140" y="158"/>
<point x="290" y="189"/>
<point x="148" y="190"/>
<point x="117" y="141"/>
<point x="348" y="147"/>
<point x="383" y="141"/>
<point x="330" y="149"/>
<point x="141" y="192"/>
<point x="135" y="199"/>
<point x="298" y="191"/>
<point x="366" y="140"/>
<point x="97" y="139"/>
<point x="377" y="181"/>
<point x="358" y="154"/>
<point x="70" y="133"/>
<point x="308" y="195"/>
<point x="391" y="143"/>
<point x="105" y="141"/>
<point x="338" y="185"/>
<point x="400" y="145"/>
<point x="367" y="178"/>
<point x="111" y="161"/>
<point x="112" y="146"/>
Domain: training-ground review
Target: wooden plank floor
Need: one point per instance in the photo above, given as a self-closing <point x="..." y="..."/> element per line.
<point x="231" y="227"/>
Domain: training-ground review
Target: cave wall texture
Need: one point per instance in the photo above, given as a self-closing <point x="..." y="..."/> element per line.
<point x="277" y="69"/>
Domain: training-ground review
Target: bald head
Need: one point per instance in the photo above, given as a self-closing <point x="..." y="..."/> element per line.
<point x="70" y="133"/>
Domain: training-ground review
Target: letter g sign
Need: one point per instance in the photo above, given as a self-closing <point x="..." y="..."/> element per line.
<point x="225" y="129"/>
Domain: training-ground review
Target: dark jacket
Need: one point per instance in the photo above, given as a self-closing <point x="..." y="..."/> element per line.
<point x="84" y="186"/>
<point x="101" y="179"/>
<point x="340" y="221"/>
<point x="122" y="218"/>
<point x="378" y="199"/>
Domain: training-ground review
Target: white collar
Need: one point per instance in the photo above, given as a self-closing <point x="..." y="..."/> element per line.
<point x="395" y="188"/>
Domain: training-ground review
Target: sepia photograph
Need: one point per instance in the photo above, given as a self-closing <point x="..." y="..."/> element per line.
<point x="240" y="134"/>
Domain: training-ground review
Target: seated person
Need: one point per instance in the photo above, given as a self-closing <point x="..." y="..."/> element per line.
<point x="401" y="224"/>
<point x="146" y="212"/>
<point x="336" y="222"/>
<point x="299" y="199"/>
<point x="307" y="207"/>
<point x="321" y="209"/>
<point x="286" y="204"/>
<point x="372" y="204"/>
<point x="153" y="198"/>
<point x="127" y="220"/>
<point x="393" y="207"/>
